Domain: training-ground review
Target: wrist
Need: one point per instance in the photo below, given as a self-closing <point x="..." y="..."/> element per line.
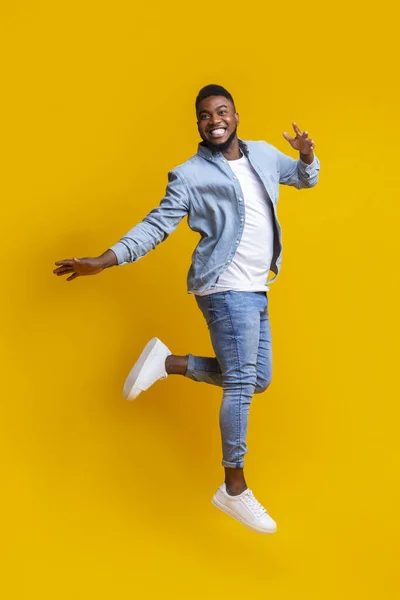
<point x="307" y="158"/>
<point x="107" y="259"/>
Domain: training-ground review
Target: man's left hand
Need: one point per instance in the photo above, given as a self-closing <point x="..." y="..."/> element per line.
<point x="301" y="142"/>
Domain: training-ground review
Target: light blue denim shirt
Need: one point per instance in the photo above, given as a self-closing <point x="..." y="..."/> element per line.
<point x="205" y="189"/>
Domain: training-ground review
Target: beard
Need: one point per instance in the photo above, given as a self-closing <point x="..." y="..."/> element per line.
<point x="220" y="147"/>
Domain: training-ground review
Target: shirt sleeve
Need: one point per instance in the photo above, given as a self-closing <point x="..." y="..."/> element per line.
<point x="296" y="172"/>
<point x="157" y="224"/>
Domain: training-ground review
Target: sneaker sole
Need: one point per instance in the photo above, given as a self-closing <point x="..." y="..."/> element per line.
<point x="132" y="382"/>
<point x="229" y="512"/>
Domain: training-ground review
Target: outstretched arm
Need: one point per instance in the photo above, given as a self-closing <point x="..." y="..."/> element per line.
<point x="145" y="236"/>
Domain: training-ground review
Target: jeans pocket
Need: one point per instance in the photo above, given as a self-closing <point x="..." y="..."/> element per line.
<point x="206" y="307"/>
<point x="210" y="309"/>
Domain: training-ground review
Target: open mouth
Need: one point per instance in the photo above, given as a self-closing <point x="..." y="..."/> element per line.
<point x="217" y="133"/>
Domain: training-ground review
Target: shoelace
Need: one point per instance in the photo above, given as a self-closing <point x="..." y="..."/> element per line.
<point x="253" y="504"/>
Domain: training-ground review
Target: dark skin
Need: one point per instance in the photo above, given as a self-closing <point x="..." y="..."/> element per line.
<point x="219" y="112"/>
<point x="214" y="112"/>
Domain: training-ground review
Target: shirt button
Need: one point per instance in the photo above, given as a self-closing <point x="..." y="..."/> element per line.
<point x="240" y="199"/>
<point x="241" y="219"/>
<point x="224" y="160"/>
<point x="237" y="241"/>
<point x="234" y="177"/>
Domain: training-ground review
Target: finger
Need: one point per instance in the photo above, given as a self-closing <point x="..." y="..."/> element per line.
<point x="64" y="271"/>
<point x="305" y="134"/>
<point x="287" y="136"/>
<point x="297" y="130"/>
<point x="72" y="277"/>
<point x="66" y="261"/>
<point x="62" y="268"/>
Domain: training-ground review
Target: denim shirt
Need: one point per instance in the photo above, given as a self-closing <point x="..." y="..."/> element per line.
<point x="205" y="189"/>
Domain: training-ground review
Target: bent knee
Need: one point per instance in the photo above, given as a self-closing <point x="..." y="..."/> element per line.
<point x="262" y="385"/>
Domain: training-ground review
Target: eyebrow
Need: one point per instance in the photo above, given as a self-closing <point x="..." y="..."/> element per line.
<point x="220" y="106"/>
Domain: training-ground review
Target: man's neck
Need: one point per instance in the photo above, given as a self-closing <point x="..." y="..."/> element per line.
<point x="233" y="152"/>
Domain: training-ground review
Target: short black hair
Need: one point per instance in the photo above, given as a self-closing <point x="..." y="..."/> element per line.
<point x="213" y="90"/>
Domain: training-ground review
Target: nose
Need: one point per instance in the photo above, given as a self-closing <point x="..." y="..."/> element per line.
<point x="214" y="121"/>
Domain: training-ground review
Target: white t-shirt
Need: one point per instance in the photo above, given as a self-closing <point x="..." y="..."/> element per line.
<point x="249" y="269"/>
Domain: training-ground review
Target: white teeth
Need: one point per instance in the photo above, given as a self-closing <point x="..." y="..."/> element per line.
<point x="218" y="132"/>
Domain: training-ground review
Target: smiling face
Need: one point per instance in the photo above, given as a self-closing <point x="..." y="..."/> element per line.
<point x="217" y="121"/>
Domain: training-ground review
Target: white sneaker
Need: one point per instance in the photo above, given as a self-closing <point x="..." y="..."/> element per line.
<point x="245" y="508"/>
<point x="149" y="367"/>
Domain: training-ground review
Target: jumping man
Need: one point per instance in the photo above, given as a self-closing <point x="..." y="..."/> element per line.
<point x="228" y="191"/>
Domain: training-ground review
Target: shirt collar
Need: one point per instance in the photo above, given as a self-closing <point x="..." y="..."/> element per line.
<point x="206" y="153"/>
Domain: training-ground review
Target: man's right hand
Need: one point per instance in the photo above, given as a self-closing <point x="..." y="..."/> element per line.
<point x="85" y="266"/>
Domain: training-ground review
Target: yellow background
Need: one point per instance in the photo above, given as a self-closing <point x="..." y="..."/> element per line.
<point x="108" y="499"/>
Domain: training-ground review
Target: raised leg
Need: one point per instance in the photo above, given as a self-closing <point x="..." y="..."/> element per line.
<point x="207" y="369"/>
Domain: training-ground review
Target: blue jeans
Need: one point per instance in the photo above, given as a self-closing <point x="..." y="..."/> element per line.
<point x="240" y="333"/>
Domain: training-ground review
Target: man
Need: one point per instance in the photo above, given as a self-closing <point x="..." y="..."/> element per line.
<point x="228" y="190"/>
